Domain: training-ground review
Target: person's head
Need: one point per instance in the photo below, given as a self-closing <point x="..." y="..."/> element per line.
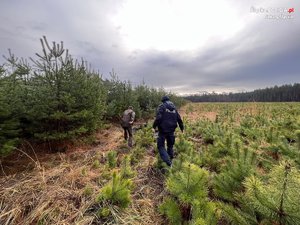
<point x="130" y="107"/>
<point x="165" y="98"/>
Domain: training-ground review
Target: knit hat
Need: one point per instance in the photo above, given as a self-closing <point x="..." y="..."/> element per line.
<point x="165" y="98"/>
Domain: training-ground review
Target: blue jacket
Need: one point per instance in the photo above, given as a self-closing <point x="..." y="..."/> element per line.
<point x="167" y="118"/>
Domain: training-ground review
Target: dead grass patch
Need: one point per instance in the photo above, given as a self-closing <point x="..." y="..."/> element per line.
<point x="53" y="191"/>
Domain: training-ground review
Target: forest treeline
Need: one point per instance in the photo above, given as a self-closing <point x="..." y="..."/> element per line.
<point x="53" y="97"/>
<point x="284" y="93"/>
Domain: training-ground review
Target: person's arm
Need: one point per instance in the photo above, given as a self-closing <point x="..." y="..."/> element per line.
<point x="159" y="115"/>
<point x="132" y="116"/>
<point x="179" y="121"/>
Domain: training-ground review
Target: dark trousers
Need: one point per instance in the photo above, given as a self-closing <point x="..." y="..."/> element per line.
<point x="166" y="155"/>
<point x="128" y="135"/>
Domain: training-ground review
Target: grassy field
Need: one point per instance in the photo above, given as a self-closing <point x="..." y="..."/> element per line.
<point x="236" y="163"/>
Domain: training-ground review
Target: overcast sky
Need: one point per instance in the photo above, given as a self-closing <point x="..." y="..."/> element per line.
<point x="184" y="46"/>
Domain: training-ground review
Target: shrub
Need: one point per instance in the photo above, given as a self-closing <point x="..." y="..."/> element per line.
<point x="112" y="159"/>
<point x="66" y="99"/>
<point x="117" y="192"/>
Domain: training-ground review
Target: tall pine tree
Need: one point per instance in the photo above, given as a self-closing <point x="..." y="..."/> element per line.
<point x="66" y="98"/>
<point x="13" y="76"/>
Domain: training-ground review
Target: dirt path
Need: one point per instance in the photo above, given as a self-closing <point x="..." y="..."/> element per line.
<point x="25" y="159"/>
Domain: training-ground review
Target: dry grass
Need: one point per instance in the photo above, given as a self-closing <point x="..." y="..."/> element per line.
<point x="48" y="196"/>
<point x="53" y="192"/>
<point x="147" y="194"/>
<point x="196" y="111"/>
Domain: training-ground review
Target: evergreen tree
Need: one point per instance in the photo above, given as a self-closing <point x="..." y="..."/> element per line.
<point x="120" y="96"/>
<point x="277" y="199"/>
<point x="10" y="125"/>
<point x="12" y="98"/>
<point x="235" y="216"/>
<point x="188" y="184"/>
<point x="146" y="99"/>
<point x="144" y="136"/>
<point x="186" y="152"/>
<point x="183" y="146"/>
<point x="298" y="139"/>
<point x="66" y="99"/>
<point x="284" y="93"/>
<point x="117" y="192"/>
<point x="126" y="171"/>
<point x="171" y="209"/>
<point x="205" y="212"/>
<point x="237" y="169"/>
<point x="112" y="159"/>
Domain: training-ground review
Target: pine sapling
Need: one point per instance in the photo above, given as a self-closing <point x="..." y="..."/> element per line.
<point x="205" y="212"/>
<point x="117" y="192"/>
<point x="277" y="200"/>
<point x="234" y="215"/>
<point x="126" y="171"/>
<point x="112" y="159"/>
<point x="183" y="146"/>
<point x="96" y="164"/>
<point x="171" y="210"/>
<point x="237" y="169"/>
<point x="188" y="184"/>
<point x="298" y="139"/>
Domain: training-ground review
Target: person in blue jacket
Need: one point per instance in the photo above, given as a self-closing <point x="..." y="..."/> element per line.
<point x="167" y="118"/>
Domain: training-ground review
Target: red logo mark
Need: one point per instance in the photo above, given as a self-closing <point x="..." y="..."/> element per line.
<point x="291" y="10"/>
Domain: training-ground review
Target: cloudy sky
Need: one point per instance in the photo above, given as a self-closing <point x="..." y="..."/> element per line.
<point x="184" y="46"/>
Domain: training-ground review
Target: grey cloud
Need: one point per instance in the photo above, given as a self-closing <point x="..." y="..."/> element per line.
<point x="39" y="26"/>
<point x="263" y="53"/>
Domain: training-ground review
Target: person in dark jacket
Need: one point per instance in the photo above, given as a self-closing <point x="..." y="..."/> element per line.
<point x="166" y="120"/>
<point x="126" y="123"/>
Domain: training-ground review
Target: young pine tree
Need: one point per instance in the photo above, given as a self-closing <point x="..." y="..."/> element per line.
<point x="117" y="192"/>
<point x="183" y="146"/>
<point x="237" y="169"/>
<point x="298" y="139"/>
<point x="236" y="216"/>
<point x="126" y="171"/>
<point x="66" y="98"/>
<point x="171" y="210"/>
<point x="205" y="212"/>
<point x="12" y="98"/>
<point x="112" y="159"/>
<point x="120" y="95"/>
<point x="186" y="150"/>
<point x="276" y="200"/>
<point x="189" y="184"/>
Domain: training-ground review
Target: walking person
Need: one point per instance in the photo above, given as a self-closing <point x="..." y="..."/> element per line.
<point x="166" y="120"/>
<point x="127" y="122"/>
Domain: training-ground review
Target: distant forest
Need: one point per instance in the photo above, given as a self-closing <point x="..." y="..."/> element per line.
<point x="284" y="93"/>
